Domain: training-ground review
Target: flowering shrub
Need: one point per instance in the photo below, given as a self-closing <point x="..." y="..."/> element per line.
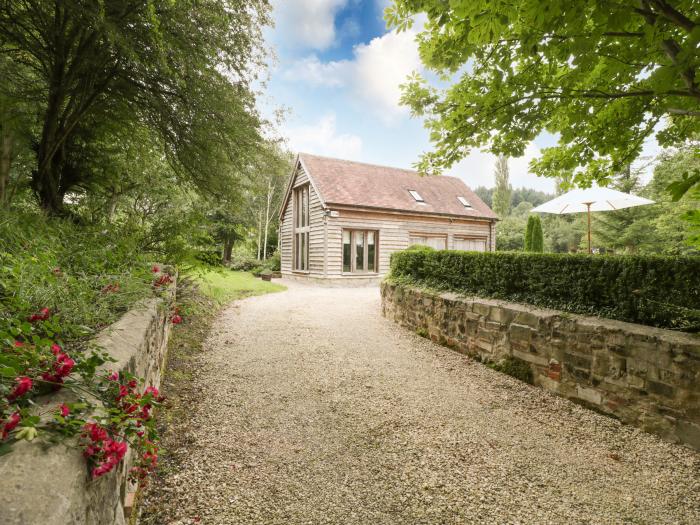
<point x="58" y="287"/>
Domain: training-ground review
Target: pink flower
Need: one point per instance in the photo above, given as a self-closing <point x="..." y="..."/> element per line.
<point x="12" y="422"/>
<point x="176" y="319"/>
<point x="114" y="376"/>
<point x="64" y="409"/>
<point x="24" y="385"/>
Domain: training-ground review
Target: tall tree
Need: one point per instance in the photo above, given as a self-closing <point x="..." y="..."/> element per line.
<point x="534" y="239"/>
<point x="503" y="192"/>
<point x="182" y="69"/>
<point x="602" y="75"/>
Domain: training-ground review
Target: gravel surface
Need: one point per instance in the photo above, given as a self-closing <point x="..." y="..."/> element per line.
<point x="314" y="409"/>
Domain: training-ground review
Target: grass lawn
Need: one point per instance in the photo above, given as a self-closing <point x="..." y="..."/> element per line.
<point x="225" y="286"/>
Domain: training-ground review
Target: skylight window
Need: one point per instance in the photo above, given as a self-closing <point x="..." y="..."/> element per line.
<point x="416" y="195"/>
<point x="464" y="202"/>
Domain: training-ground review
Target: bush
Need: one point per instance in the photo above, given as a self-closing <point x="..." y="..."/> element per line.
<point x="242" y="262"/>
<point x="209" y="257"/>
<point x="420" y="248"/>
<point x="534" y="240"/>
<point x="274" y="262"/>
<point x="654" y="290"/>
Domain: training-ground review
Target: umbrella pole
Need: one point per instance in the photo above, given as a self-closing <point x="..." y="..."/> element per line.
<point x="588" y="205"/>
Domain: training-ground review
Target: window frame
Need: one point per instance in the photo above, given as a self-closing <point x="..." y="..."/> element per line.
<point x="302" y="226"/>
<point x="416" y="196"/>
<point x="353" y="251"/>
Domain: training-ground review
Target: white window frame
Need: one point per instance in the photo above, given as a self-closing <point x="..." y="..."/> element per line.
<point x="416" y="196"/>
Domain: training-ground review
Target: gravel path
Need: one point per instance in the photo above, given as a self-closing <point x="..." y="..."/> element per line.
<point x="315" y="409"/>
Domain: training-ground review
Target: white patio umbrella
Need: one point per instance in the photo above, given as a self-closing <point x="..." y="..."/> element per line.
<point x="591" y="199"/>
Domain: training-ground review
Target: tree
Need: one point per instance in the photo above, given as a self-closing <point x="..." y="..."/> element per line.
<point x="503" y="191"/>
<point x="602" y="75"/>
<point x="181" y="69"/>
<point x="534" y="240"/>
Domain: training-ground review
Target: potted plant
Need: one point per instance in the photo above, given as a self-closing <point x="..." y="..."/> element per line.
<point x="266" y="275"/>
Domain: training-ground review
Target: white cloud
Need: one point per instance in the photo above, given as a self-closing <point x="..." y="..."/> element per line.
<point x="322" y="138"/>
<point x="478" y="170"/>
<point x="306" y="23"/>
<point x="373" y="76"/>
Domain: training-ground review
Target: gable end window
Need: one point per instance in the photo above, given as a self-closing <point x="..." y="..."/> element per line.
<point x="360" y="254"/>
<point x="302" y="217"/>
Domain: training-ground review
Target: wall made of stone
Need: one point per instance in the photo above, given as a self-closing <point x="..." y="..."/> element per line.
<point x="645" y="376"/>
<point x="50" y="485"/>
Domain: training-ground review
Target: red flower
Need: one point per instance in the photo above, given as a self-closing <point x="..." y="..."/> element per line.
<point x="55" y="349"/>
<point x="19" y="344"/>
<point x="63" y="365"/>
<point x="64" y="409"/>
<point x="176" y="319"/>
<point x="56" y="271"/>
<point x="155" y="268"/>
<point x="114" y="376"/>
<point x="12" y="422"/>
<point x="110" y="288"/>
<point x="24" y="385"/>
<point x="43" y="315"/>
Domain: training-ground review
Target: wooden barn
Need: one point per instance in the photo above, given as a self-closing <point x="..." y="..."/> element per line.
<point x="341" y="220"/>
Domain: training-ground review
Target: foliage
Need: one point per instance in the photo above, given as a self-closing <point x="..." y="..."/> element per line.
<point x="602" y="75"/>
<point x="534" y="241"/>
<point x="225" y="286"/>
<point x="503" y="192"/>
<point x="60" y="284"/>
<point x="92" y="70"/>
<point x="654" y="290"/>
<point x="420" y="248"/>
<point x="514" y="367"/>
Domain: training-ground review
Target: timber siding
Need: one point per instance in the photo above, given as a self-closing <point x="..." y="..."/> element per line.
<point x="394" y="232"/>
<point x="393" y="226"/>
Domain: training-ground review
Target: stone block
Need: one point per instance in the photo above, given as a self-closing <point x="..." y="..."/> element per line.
<point x="590" y="395"/>
<point x="528" y="319"/>
<point x="578" y="360"/>
<point x="531" y="358"/>
<point x="481" y="309"/>
<point x="661" y="389"/>
<point x="518" y="332"/>
<point x="500" y="315"/>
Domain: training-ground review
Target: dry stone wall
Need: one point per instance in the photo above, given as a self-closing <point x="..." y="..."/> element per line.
<point x="645" y="376"/>
<point x="50" y="485"/>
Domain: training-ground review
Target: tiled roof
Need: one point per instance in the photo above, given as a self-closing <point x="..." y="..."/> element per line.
<point x="349" y="183"/>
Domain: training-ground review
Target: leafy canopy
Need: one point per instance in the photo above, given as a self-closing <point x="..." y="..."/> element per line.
<point x="604" y="76"/>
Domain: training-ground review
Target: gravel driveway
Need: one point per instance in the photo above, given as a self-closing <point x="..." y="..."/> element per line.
<point x="315" y="409"/>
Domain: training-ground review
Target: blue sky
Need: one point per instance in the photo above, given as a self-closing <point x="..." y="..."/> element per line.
<point x="337" y="74"/>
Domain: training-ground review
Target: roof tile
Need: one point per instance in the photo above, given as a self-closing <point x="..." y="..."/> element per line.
<point x="349" y="183"/>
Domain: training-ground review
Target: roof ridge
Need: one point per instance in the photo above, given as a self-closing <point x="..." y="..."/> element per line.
<point x="301" y="153"/>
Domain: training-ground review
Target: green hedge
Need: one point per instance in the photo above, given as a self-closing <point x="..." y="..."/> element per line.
<point x="654" y="290"/>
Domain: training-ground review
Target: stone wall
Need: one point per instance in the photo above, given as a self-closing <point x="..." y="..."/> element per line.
<point x="645" y="376"/>
<point x="51" y="485"/>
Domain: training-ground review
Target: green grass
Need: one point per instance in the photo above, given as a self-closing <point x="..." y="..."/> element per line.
<point x="225" y="286"/>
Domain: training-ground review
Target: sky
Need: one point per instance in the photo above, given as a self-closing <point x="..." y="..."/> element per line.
<point x="337" y="74"/>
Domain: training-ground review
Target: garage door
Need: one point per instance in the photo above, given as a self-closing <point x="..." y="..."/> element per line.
<point x="470" y="244"/>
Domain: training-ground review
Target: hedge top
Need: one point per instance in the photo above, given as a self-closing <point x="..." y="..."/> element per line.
<point x="654" y="290"/>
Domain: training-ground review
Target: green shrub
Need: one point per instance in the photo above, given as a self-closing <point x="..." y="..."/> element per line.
<point x="654" y="290"/>
<point x="209" y="257"/>
<point x="534" y="239"/>
<point x="420" y="248"/>
<point x="242" y="262"/>
<point x="514" y="367"/>
<point x="274" y="262"/>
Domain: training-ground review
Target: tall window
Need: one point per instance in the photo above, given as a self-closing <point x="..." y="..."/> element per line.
<point x="301" y="228"/>
<point x="360" y="251"/>
<point x="437" y="241"/>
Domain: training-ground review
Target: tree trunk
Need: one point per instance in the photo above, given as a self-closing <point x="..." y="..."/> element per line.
<point x="112" y="206"/>
<point x="5" y="159"/>
<point x="228" y="249"/>
<point x="270" y="189"/>
<point x="259" y="233"/>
